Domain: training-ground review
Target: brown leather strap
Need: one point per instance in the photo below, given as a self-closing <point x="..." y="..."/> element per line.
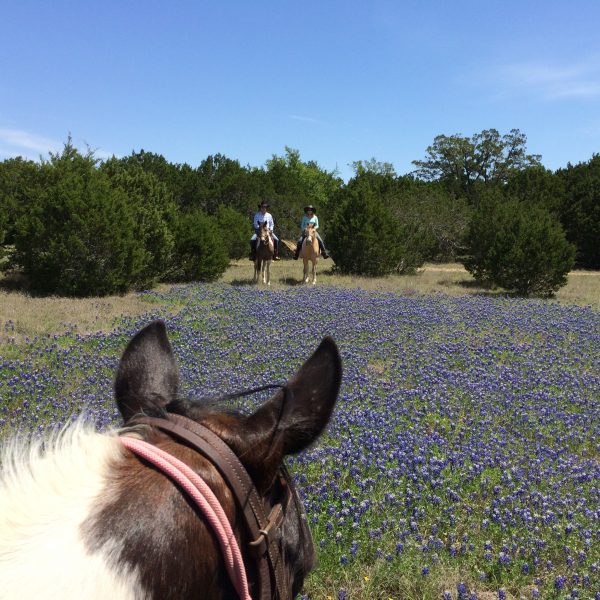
<point x="263" y="544"/>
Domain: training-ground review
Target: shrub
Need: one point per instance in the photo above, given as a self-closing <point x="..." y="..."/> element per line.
<point x="235" y="231"/>
<point x="153" y="210"/>
<point x="77" y="236"/>
<point x="519" y="247"/>
<point x="366" y="238"/>
<point x="200" y="254"/>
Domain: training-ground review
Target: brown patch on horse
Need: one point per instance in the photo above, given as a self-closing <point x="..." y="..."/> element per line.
<point x="148" y="537"/>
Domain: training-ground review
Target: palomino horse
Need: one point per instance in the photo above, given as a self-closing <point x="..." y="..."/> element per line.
<point x="310" y="252"/>
<point x="120" y="514"/>
<point x="264" y="255"/>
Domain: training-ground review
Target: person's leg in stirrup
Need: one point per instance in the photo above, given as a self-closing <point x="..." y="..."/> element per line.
<point x="324" y="253"/>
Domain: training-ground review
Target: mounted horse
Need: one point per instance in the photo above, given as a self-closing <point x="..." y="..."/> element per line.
<point x="265" y="250"/>
<point x="188" y="500"/>
<point x="309" y="252"/>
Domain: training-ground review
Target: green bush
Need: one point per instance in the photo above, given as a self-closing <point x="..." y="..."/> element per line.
<point x="153" y="209"/>
<point x="518" y="246"/>
<point x="200" y="254"/>
<point x="366" y="238"/>
<point x="76" y="237"/>
<point x="235" y="231"/>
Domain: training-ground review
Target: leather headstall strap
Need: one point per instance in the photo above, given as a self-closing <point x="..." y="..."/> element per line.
<point x="263" y="545"/>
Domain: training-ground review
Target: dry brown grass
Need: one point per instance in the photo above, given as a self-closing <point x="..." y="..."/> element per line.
<point x="583" y="287"/>
<point x="40" y="316"/>
<point x="33" y="316"/>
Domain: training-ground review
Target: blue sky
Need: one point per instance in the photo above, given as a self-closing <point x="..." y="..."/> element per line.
<point x="339" y="81"/>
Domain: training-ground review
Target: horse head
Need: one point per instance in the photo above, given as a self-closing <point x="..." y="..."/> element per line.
<point x="264" y="235"/>
<point x="310" y="232"/>
<point x="152" y="529"/>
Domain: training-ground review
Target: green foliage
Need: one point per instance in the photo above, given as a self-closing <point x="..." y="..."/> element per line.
<point x="366" y="237"/>
<point x="363" y="167"/>
<point x="153" y="209"/>
<point x="520" y="247"/>
<point x="200" y="253"/>
<point x="434" y="221"/>
<point x="463" y="163"/>
<point x="438" y="220"/>
<point x="3" y="222"/>
<point x="580" y="214"/>
<point x="234" y="230"/>
<point x="77" y="236"/>
<point x="539" y="186"/>
<point x="19" y="179"/>
<point x="295" y="184"/>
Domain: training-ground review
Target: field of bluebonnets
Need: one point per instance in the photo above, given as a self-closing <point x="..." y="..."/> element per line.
<point x="464" y="457"/>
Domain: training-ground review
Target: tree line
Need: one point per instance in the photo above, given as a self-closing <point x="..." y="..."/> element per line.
<point x="75" y="225"/>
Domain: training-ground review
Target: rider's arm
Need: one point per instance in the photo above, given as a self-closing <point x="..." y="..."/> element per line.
<point x="316" y="221"/>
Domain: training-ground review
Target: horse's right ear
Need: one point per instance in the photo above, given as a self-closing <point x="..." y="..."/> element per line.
<point x="293" y="419"/>
<point x="147" y="378"/>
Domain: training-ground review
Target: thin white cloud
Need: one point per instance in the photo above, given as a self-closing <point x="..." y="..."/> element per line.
<point x="550" y="81"/>
<point x="16" y="142"/>
<point x="306" y="119"/>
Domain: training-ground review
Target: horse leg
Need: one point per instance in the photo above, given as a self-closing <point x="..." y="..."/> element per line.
<point x="305" y="274"/>
<point x="268" y="272"/>
<point x="256" y="270"/>
<point x="314" y="271"/>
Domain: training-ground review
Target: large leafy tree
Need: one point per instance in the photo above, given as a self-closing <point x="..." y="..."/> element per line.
<point x="463" y="163"/>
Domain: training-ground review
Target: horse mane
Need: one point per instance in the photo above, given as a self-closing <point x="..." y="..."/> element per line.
<point x="54" y="466"/>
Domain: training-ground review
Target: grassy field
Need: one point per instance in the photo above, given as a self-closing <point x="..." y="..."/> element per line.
<point x="463" y="458"/>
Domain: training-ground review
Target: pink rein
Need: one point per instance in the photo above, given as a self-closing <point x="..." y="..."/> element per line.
<point x="206" y="501"/>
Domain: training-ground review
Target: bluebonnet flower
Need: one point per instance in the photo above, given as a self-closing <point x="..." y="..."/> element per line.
<point x="559" y="582"/>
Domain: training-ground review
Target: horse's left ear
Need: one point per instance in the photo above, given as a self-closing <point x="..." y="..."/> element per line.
<point x="147" y="378"/>
<point x="294" y="418"/>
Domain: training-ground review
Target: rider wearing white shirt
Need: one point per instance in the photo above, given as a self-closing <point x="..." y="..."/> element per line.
<point x="262" y="216"/>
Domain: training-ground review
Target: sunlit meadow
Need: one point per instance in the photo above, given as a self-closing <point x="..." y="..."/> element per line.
<point x="463" y="460"/>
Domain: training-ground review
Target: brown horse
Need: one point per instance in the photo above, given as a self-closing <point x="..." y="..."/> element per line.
<point x="264" y="255"/>
<point x="310" y="252"/>
<point x="83" y="515"/>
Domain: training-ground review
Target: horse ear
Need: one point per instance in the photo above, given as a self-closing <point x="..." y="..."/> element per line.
<point x="147" y="378"/>
<point x="295" y="417"/>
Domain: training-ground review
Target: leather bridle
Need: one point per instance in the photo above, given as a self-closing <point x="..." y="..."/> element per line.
<point x="262" y="520"/>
